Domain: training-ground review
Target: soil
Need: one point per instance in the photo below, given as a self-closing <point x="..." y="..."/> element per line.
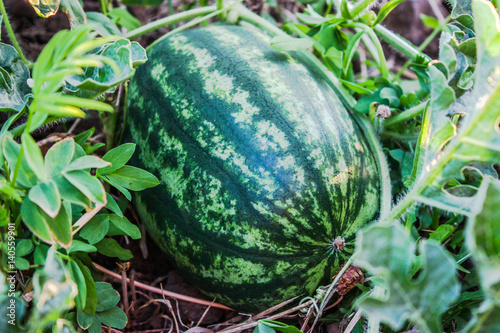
<point x="148" y="311"/>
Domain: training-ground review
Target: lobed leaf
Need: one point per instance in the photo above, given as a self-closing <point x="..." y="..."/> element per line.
<point x="388" y="252"/>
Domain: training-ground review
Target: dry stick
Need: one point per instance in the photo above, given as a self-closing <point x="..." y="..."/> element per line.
<point x="164" y="292"/>
<point x="275" y="308"/>
<point x="205" y="313"/>
<point x="306" y="320"/>
<point x="125" y="293"/>
<point x="353" y="322"/>
<point x="242" y="327"/>
<point x="86" y="218"/>
<point x="132" y="290"/>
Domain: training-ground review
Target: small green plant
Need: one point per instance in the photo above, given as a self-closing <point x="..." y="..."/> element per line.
<point x="55" y="208"/>
<point x="432" y="256"/>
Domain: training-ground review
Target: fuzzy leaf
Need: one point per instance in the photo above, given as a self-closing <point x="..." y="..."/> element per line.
<point x="59" y="156"/>
<point x="74" y="11"/>
<point x="94" y="81"/>
<point x="45" y="8"/>
<point x="14" y="75"/>
<point x="388" y="252"/>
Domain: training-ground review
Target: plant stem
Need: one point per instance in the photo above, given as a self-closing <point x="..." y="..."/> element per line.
<point x="250" y="17"/>
<point x="12" y="36"/>
<point x="426" y="43"/>
<point x="172" y="19"/>
<point x="171" y="11"/>
<point x="220" y="5"/>
<point x="383" y="168"/>
<point x="376" y="43"/>
<point x="399" y="43"/>
<point x="405" y="115"/>
<point x="104" y="6"/>
<point x="186" y="26"/>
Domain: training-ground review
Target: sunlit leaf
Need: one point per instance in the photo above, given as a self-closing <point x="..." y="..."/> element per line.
<point x="14" y="75"/>
<point x="95" y="81"/>
<point x="45" y="8"/>
<point x="74" y="11"/>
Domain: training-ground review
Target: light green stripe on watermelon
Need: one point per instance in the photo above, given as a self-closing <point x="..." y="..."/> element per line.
<point x="261" y="167"/>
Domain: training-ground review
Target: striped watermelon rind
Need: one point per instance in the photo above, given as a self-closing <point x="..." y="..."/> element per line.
<point x="261" y="166"/>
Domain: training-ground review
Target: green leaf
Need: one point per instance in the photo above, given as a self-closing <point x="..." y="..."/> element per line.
<point x="45" y="8"/>
<point x="87" y="184"/>
<point x="36" y="221"/>
<point x="11" y="151"/>
<point x="442" y="233"/>
<point x="429" y="21"/>
<point x="84" y="136"/>
<point x="122" y="189"/>
<point x="14" y="75"/>
<point x="71" y="193"/>
<point x="61" y="225"/>
<point x="46" y="195"/>
<point x="79" y="279"/>
<point x="385" y="10"/>
<point x="123" y="54"/>
<point x="388" y="252"/>
<point x="288" y="43"/>
<point x="114" y="317"/>
<point x="103" y="24"/>
<point x="78" y="245"/>
<point x="59" y="156"/>
<point x="122" y="17"/>
<point x="122" y="226"/>
<point x="24" y="247"/>
<point x="86" y="162"/>
<point x="107" y="297"/>
<point x="118" y="157"/>
<point x="350" y="50"/>
<point x="84" y="320"/>
<point x="483" y="239"/>
<point x="110" y="247"/>
<point x="112" y="205"/>
<point x="265" y="326"/>
<point x="133" y="178"/>
<point x="461" y="7"/>
<point x="96" y="229"/>
<point x="91" y="301"/>
<point x="33" y="156"/>
<point x="74" y="11"/>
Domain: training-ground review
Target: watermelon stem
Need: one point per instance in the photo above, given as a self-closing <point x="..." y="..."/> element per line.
<point x="188" y="25"/>
<point x="169" y="20"/>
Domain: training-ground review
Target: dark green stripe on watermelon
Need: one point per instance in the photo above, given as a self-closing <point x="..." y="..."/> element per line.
<point x="261" y="167"/>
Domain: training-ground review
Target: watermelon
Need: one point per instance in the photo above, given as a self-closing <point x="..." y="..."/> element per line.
<point x="265" y="177"/>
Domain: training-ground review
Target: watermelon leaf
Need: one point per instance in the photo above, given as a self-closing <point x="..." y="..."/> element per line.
<point x="122" y="58"/>
<point x="14" y="75"/>
<point x="388" y="252"/>
<point x="483" y="239"/>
